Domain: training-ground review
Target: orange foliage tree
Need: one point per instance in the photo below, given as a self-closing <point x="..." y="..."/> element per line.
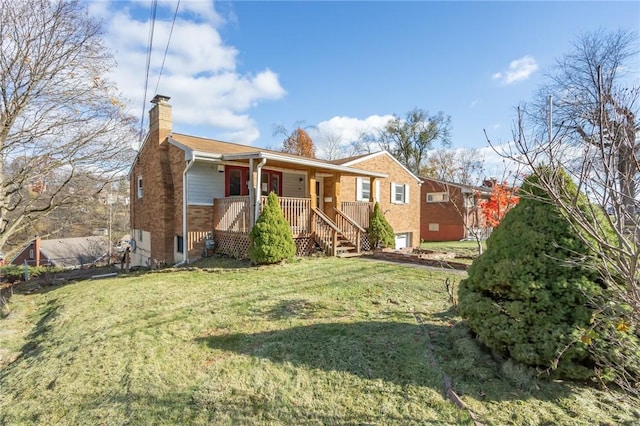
<point x="299" y="142"/>
<point x="503" y="198"/>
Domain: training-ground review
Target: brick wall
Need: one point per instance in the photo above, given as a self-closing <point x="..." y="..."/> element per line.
<point x="199" y="225"/>
<point x="157" y="165"/>
<point x="403" y="218"/>
<point x="441" y="221"/>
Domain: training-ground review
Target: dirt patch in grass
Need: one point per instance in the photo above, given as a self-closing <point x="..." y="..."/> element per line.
<point x="422" y="257"/>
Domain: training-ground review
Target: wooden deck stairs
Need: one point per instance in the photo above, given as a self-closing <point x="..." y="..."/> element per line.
<point x="341" y="238"/>
<point x="346" y="248"/>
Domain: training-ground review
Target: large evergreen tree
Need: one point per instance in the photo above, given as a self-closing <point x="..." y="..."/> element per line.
<point x="525" y="298"/>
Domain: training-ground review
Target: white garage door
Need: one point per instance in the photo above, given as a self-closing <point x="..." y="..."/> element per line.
<point x="402" y="241"/>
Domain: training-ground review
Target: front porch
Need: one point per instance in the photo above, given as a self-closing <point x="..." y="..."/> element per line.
<point x="335" y="231"/>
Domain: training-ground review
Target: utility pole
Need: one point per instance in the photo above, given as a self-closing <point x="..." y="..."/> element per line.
<point x="110" y="202"/>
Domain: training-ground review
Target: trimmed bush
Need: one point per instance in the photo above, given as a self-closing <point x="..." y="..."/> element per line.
<point x="523" y="299"/>
<point x="270" y="240"/>
<point x="13" y="273"/>
<point x="380" y="232"/>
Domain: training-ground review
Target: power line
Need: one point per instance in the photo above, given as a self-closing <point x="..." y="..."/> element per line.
<point x="175" y="14"/>
<point x="154" y="8"/>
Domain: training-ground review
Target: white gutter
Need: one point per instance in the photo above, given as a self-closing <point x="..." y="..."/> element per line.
<point x="185" y="197"/>
<point x="258" y="189"/>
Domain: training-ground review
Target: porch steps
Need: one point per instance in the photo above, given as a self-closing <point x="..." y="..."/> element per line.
<point x="345" y="248"/>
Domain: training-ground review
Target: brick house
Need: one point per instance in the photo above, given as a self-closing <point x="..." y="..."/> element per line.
<point x="191" y="196"/>
<point x="398" y="193"/>
<point x="451" y="211"/>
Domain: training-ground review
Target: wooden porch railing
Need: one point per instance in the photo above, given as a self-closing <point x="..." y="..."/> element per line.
<point x="231" y="214"/>
<point x="326" y="233"/>
<point x="350" y="230"/>
<point x="358" y="212"/>
<point x="296" y="211"/>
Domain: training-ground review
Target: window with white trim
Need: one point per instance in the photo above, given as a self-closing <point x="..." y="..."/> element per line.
<point x="139" y="186"/>
<point x="399" y="193"/>
<point x="437" y="197"/>
<point x="363" y="189"/>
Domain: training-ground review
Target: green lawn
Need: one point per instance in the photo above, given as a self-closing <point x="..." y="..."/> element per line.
<point x="316" y="341"/>
<point x="460" y="248"/>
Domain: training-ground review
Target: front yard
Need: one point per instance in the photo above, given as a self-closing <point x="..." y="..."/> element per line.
<point x="315" y="341"/>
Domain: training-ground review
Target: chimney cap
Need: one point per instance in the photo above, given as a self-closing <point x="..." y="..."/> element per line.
<point x="160" y="99"/>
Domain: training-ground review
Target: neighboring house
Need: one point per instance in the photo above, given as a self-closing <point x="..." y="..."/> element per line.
<point x="397" y="194"/>
<point x="190" y="195"/>
<point x="71" y="253"/>
<point x="451" y="211"/>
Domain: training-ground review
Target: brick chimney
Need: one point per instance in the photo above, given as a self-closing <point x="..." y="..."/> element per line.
<point x="36" y="249"/>
<point x="160" y="118"/>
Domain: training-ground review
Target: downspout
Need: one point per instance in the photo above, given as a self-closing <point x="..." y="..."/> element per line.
<point x="258" y="188"/>
<point x="185" y="237"/>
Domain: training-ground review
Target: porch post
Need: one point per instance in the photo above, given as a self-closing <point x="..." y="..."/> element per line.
<point x="314" y="201"/>
<point x="252" y="196"/>
<point x="312" y="188"/>
<point x="337" y="193"/>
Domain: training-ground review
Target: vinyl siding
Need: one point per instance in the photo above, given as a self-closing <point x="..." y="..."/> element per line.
<point x="291" y="185"/>
<point x="205" y="184"/>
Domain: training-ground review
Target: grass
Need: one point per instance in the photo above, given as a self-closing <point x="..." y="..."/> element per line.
<point x="315" y="341"/>
<point x="460" y="248"/>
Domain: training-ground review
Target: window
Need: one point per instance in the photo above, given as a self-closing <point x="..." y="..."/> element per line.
<point x="270" y="182"/>
<point x="434" y="227"/>
<point x="236" y="179"/>
<point x="399" y="193"/>
<point x="139" y="186"/>
<point x="30" y="253"/>
<point x="437" y="197"/>
<point x="179" y="244"/>
<point x="140" y="234"/>
<point x="363" y="189"/>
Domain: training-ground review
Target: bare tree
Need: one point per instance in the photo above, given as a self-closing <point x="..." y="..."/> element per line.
<point x="410" y="139"/>
<point x="464" y="166"/>
<point x="60" y="117"/>
<point x="330" y="145"/>
<point x="585" y="122"/>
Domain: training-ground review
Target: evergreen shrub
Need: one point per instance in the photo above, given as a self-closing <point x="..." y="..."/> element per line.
<point x="270" y="240"/>
<point x="380" y="231"/>
<point x="523" y="299"/>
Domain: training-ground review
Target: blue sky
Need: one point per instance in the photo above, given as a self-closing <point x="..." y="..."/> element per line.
<point x="236" y="69"/>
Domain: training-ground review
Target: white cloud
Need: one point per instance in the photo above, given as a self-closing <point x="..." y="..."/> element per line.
<point x="519" y="69"/>
<point x="338" y="133"/>
<point x="199" y="73"/>
<point x="351" y="129"/>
